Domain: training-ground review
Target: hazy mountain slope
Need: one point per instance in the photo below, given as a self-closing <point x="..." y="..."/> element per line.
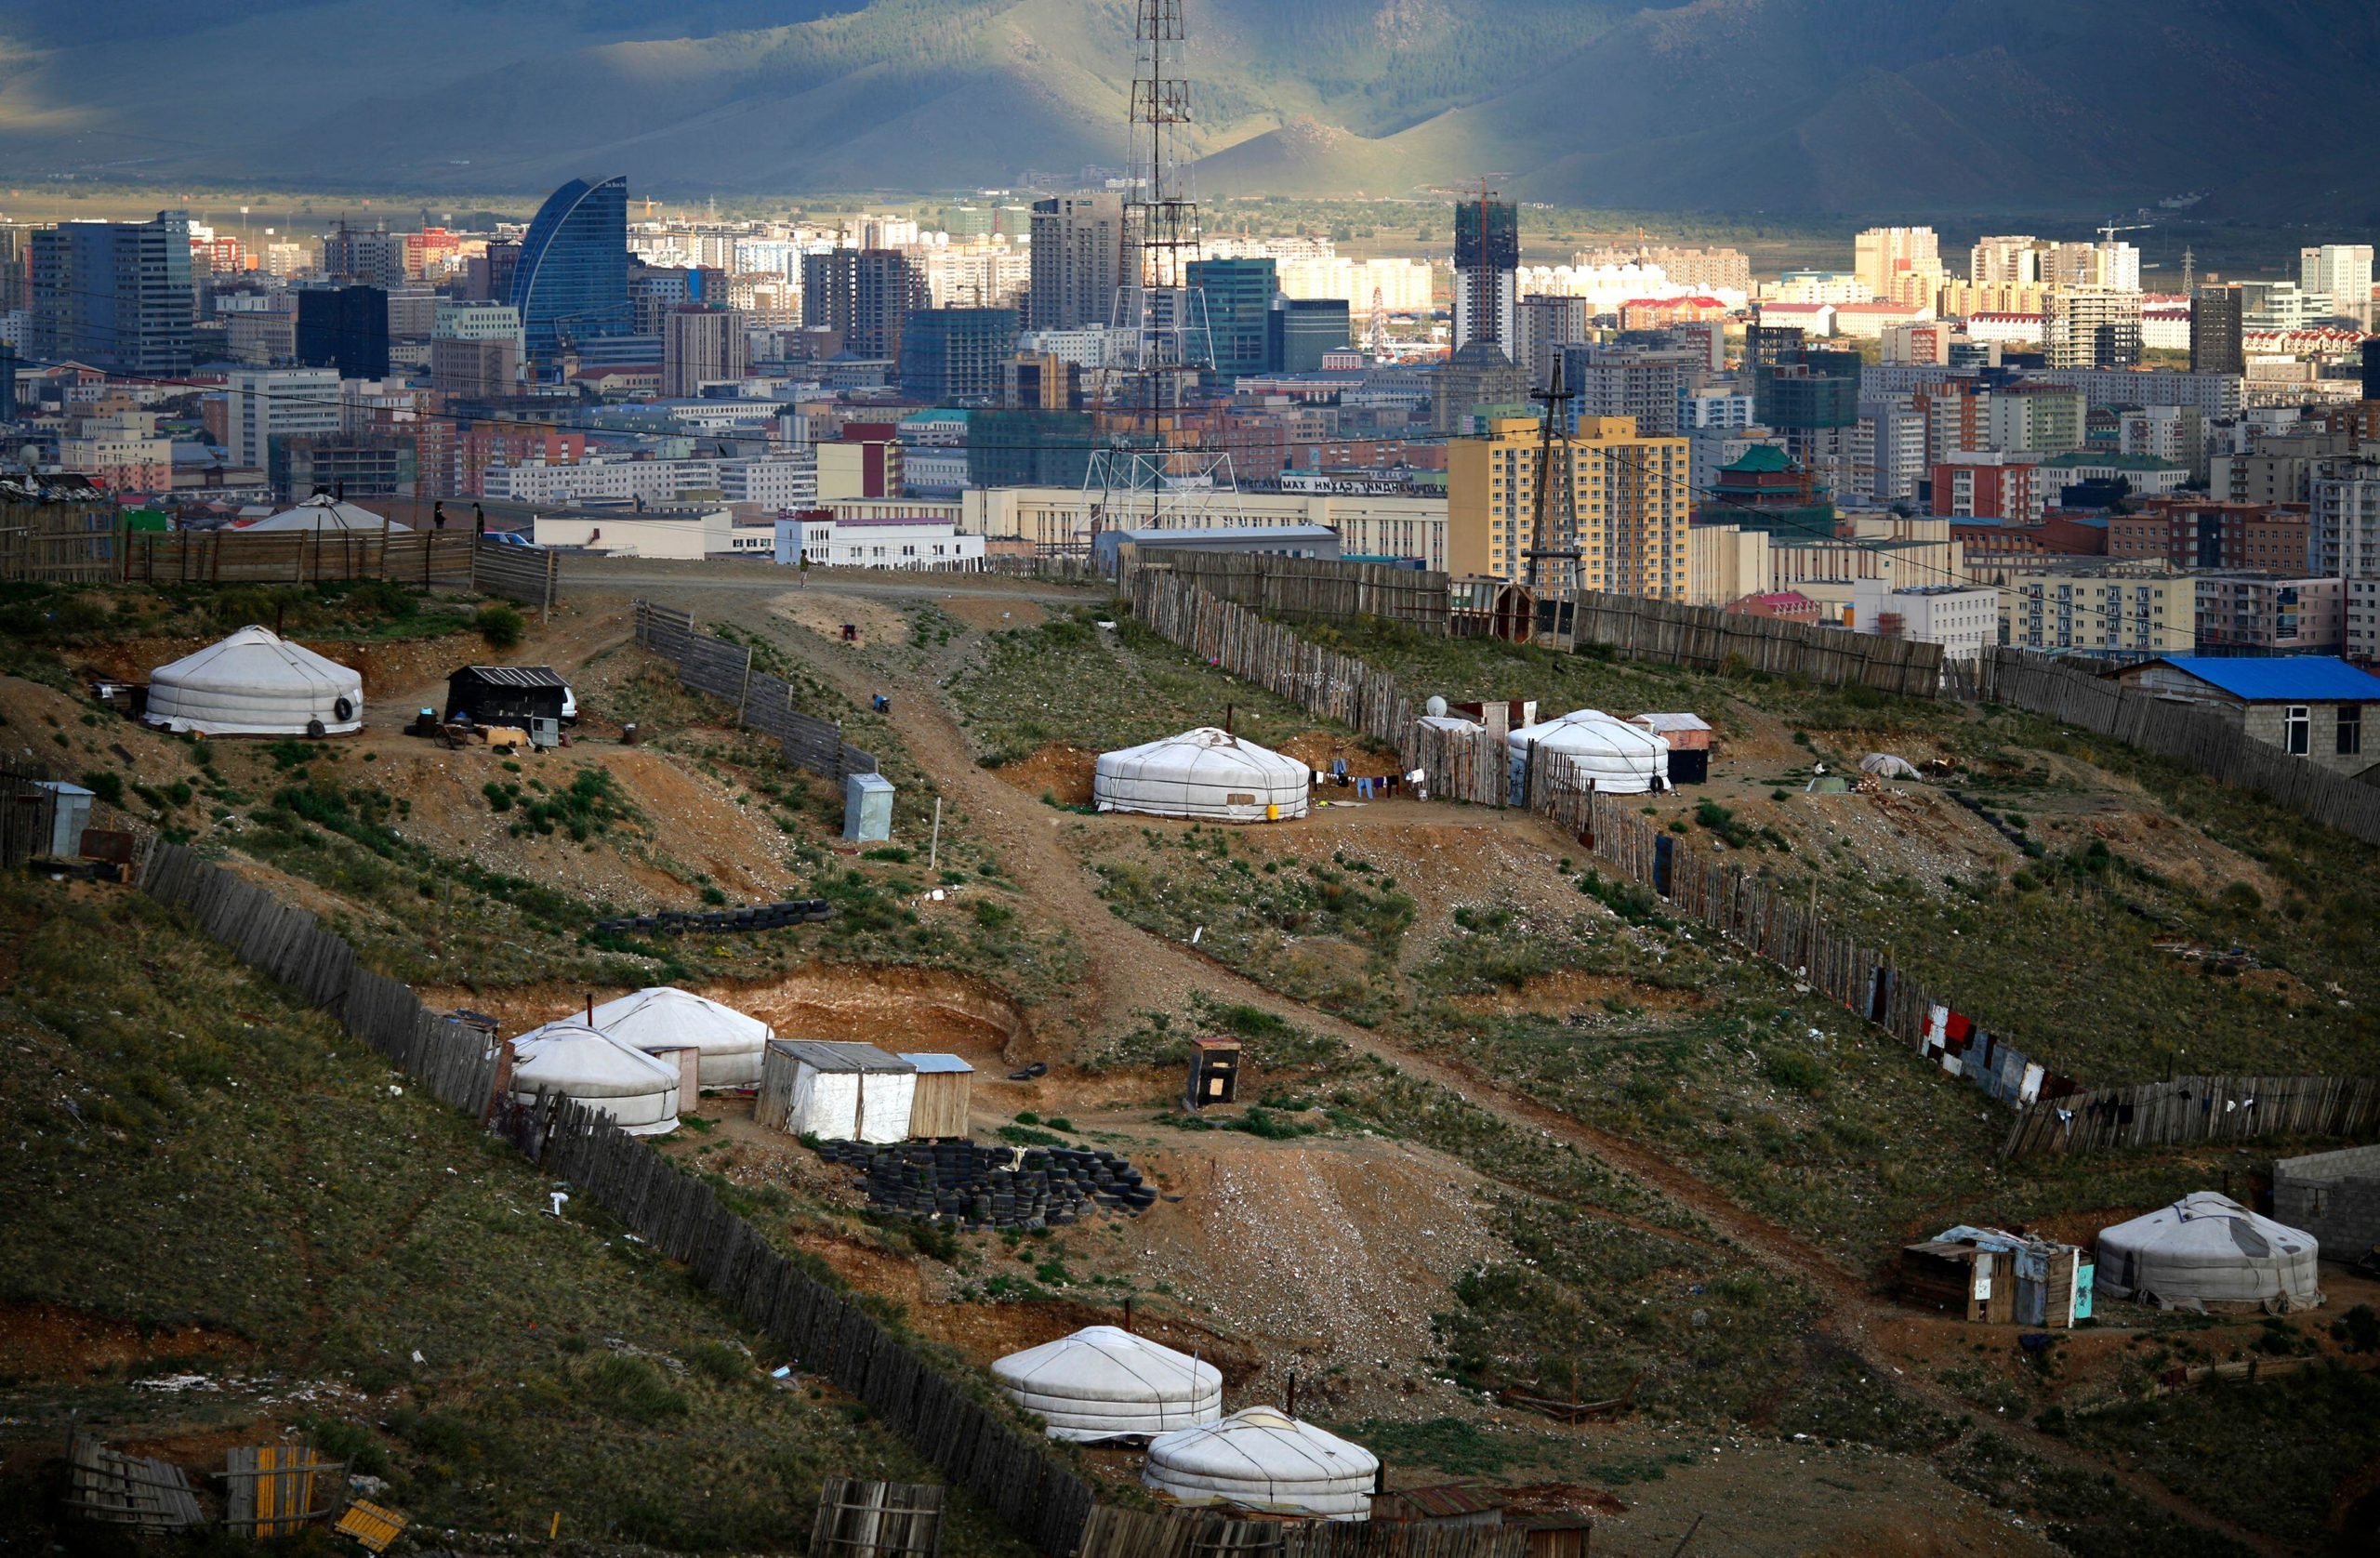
<point x="1781" y="104"/>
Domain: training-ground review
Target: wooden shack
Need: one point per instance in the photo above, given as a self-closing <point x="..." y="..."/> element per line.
<point x="1689" y="739"/>
<point x="1450" y="1506"/>
<point x="835" y="1091"/>
<point x="1992" y="1276"/>
<point x="938" y="1109"/>
<point x="506" y="695"/>
<point x="1214" y="1072"/>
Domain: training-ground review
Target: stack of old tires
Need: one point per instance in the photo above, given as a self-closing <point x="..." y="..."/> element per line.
<point x="959" y="1184"/>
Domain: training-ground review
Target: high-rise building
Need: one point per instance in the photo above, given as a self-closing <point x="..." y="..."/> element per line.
<point x="1077" y="262"/>
<point x="954" y="357"/>
<point x="2216" y="319"/>
<point x="371" y="257"/>
<point x="1898" y="264"/>
<point x="886" y="289"/>
<point x="2007" y="261"/>
<point x="829" y="288"/>
<point x="1477" y="375"/>
<point x="115" y="294"/>
<point x="1648" y="387"/>
<point x="344" y="327"/>
<point x="1239" y="295"/>
<point x="1299" y="330"/>
<point x="16" y="266"/>
<point x="700" y="344"/>
<point x="475" y="368"/>
<point x="260" y="405"/>
<point x="2343" y="274"/>
<point x="1546" y="322"/>
<point x="1629" y="493"/>
<point x="571" y="280"/>
<point x="358" y="465"/>
<point x="2092" y="327"/>
<point x="1486" y="273"/>
<point x="2371" y="370"/>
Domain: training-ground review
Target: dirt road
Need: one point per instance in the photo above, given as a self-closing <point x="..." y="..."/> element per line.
<point x="1130" y="971"/>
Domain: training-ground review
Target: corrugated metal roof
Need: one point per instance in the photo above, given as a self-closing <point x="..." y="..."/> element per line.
<point x="836" y="1055"/>
<point x="2282" y="679"/>
<point x="513" y="676"/>
<point x="931" y="1064"/>
<point x="1671" y="721"/>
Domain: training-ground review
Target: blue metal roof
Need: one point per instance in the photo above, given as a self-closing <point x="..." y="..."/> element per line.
<point x="2289" y="678"/>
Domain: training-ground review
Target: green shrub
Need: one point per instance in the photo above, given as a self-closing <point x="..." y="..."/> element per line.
<point x="717" y="1360"/>
<point x="106" y="784"/>
<point x="631" y="1390"/>
<point x="500" y="626"/>
<point x="1797" y="1069"/>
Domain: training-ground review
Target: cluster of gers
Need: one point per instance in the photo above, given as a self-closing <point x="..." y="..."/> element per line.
<point x="760" y="916"/>
<point x="959" y="1185"/>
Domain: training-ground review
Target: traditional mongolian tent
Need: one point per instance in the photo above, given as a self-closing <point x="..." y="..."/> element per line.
<point x="663" y="1017"/>
<point x="1619" y="757"/>
<point x="256" y="683"/>
<point x="325" y="512"/>
<point x="1103" y="1383"/>
<point x="1260" y="1458"/>
<point x="639" y="1092"/>
<point x="1206" y="774"/>
<point x="2209" y="1249"/>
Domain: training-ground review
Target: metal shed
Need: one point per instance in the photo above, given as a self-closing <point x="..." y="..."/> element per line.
<point x="835" y="1091"/>
<point x="938" y="1109"/>
<point x="506" y="695"/>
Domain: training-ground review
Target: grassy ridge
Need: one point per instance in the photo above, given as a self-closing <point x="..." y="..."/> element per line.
<point x="197" y="1153"/>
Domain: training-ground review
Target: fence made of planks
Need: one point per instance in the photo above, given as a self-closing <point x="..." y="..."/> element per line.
<point x="1313" y="589"/>
<point x="528" y="574"/>
<point x="764" y="703"/>
<point x="1117" y="1533"/>
<point x="58" y="543"/>
<point x="2196" y="737"/>
<point x="877" y="1520"/>
<point x="2190" y="1110"/>
<point x="425" y="558"/>
<point x="1708" y="638"/>
<point x="824" y="1330"/>
<point x="1335" y="686"/>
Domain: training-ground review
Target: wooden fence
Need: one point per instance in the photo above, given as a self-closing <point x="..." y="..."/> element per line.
<point x="1114" y="1533"/>
<point x="764" y="703"/>
<point x="1705" y="638"/>
<point x="2196" y="737"/>
<point x="1335" y="686"/>
<point x="824" y="1330"/>
<point x="529" y="574"/>
<point x="1312" y="589"/>
<point x="58" y="543"/>
<point x="426" y="558"/>
<point x="2193" y="1110"/>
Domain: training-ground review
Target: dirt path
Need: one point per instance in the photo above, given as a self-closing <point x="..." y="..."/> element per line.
<point x="1130" y="970"/>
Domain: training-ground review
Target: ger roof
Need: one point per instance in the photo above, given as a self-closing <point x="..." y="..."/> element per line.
<point x="2284" y="678"/>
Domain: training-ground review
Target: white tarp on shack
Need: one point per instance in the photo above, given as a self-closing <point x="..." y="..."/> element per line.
<point x="2208" y="1249"/>
<point x="836" y="1091"/>
<point x="1104" y="1382"/>
<point x="663" y="1016"/>
<point x="1206" y="774"/>
<point x="1621" y="759"/>
<point x="1260" y="1458"/>
<point x="639" y="1092"/>
<point x="255" y="683"/>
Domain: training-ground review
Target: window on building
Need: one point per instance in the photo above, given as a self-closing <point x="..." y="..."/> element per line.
<point x="2296" y="726"/>
<point x="2350" y="729"/>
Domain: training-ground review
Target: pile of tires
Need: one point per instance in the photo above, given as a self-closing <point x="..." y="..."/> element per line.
<point x="959" y="1185"/>
<point x="760" y="916"/>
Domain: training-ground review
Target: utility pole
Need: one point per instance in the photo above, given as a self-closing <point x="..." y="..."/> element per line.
<point x="1553" y="534"/>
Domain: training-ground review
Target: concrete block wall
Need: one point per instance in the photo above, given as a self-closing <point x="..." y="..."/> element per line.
<point x="2335" y="1197"/>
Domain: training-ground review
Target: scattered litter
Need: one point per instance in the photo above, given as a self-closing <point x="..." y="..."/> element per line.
<point x="418" y="1357"/>
<point x="175" y="1384"/>
<point x="559" y="1197"/>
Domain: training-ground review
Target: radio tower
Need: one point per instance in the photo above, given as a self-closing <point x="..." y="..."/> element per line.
<point x="1553" y="552"/>
<point x="1148" y="469"/>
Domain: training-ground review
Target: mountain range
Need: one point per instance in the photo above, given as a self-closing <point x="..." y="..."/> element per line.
<point x="2261" y="109"/>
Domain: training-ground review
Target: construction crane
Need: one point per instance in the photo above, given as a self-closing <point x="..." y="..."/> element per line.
<point x="2108" y="230"/>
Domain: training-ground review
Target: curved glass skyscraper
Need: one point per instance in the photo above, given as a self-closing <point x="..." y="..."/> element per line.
<point x="571" y="281"/>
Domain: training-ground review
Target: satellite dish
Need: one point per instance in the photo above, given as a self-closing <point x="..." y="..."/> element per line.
<point x="1435" y="708"/>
